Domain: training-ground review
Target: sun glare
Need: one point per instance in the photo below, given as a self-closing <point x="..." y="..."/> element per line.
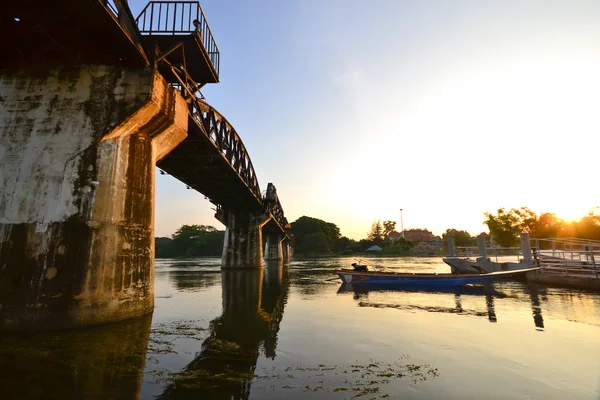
<point x="572" y="215"/>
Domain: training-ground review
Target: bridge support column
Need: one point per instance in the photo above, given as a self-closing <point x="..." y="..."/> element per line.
<point x="78" y="146"/>
<point x="242" y="246"/>
<point x="286" y="250"/>
<point x="273" y="250"/>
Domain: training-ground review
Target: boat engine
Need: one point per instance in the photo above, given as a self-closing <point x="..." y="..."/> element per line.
<point x="359" y="267"/>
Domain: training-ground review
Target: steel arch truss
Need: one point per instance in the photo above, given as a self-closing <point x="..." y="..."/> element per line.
<point x="226" y="140"/>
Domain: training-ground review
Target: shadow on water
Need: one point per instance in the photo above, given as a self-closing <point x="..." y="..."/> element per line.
<point x="253" y="305"/>
<point x="106" y="362"/>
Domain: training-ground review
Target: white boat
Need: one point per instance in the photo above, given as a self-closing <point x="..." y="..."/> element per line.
<point x="466" y="265"/>
<point x="569" y="262"/>
<point x="484" y="264"/>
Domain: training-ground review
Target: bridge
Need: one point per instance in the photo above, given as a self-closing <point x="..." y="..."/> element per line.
<point x="92" y="99"/>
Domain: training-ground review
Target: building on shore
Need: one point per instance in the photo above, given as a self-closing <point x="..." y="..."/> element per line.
<point x="423" y="239"/>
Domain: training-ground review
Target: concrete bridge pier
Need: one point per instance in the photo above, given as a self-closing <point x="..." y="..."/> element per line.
<point x="286" y="250"/>
<point x="78" y="146"/>
<point x="242" y="246"/>
<point x="273" y="247"/>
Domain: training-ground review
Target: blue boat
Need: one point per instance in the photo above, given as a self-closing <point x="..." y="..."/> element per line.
<point x="361" y="275"/>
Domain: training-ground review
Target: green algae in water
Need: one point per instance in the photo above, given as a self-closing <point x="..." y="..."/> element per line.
<point x="179" y="328"/>
<point x="227" y="367"/>
<point x="360" y="380"/>
<point x="164" y="335"/>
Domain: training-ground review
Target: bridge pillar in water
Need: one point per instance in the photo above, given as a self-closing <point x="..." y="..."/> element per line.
<point x="78" y="148"/>
<point x="286" y="250"/>
<point x="242" y="246"/>
<point x="273" y="248"/>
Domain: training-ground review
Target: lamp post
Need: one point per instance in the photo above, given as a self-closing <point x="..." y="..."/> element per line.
<point x="401" y="224"/>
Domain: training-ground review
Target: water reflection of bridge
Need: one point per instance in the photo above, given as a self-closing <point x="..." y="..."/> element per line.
<point x="253" y="305"/>
<point x="102" y="363"/>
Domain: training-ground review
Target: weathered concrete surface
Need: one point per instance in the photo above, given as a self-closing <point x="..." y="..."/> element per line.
<point x="77" y="153"/>
<point x="286" y="250"/>
<point x="590" y="282"/>
<point x="242" y="246"/>
<point x="273" y="248"/>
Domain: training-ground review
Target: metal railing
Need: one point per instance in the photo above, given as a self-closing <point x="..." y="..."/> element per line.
<point x="568" y="256"/>
<point x="227" y="141"/>
<point x="219" y="131"/>
<point x="500" y="254"/>
<point x="273" y="205"/>
<point x="179" y="18"/>
<point x="568" y="250"/>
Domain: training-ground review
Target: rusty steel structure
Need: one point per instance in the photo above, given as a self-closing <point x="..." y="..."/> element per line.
<point x="179" y="18"/>
<point x="170" y="31"/>
<point x="175" y="38"/>
<point x="172" y="36"/>
<point x="226" y="141"/>
<point x="180" y="32"/>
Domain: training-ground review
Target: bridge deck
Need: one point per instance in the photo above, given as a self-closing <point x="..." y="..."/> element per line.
<point x="197" y="163"/>
<point x="35" y="32"/>
<point x="212" y="159"/>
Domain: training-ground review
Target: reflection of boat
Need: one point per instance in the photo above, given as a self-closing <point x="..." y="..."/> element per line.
<point x="361" y="276"/>
<point x="365" y="288"/>
<point x="436" y="300"/>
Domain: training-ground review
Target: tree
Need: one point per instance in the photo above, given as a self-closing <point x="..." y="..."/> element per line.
<point x="164" y="247"/>
<point x="461" y="238"/>
<point x="528" y="220"/>
<point x="346" y="244"/>
<point x="549" y="226"/>
<point x="504" y="227"/>
<point x="588" y="227"/>
<point x="388" y="227"/>
<point x="315" y="243"/>
<point x="305" y="226"/>
<point x="376" y="233"/>
<point x="198" y="240"/>
<point x="403" y="244"/>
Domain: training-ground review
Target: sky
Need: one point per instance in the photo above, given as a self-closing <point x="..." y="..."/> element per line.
<point x="444" y="109"/>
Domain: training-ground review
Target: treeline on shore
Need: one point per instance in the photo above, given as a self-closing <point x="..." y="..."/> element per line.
<point x="506" y="225"/>
<point x="312" y="236"/>
<point x="191" y="241"/>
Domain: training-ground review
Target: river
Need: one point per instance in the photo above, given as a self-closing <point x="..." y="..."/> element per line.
<point x="291" y="332"/>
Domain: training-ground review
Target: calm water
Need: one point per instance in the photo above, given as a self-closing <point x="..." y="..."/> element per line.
<point x="289" y="332"/>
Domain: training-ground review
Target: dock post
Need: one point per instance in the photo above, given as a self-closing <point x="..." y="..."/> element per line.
<point x="526" y="248"/>
<point x="481" y="245"/>
<point x="451" y="252"/>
